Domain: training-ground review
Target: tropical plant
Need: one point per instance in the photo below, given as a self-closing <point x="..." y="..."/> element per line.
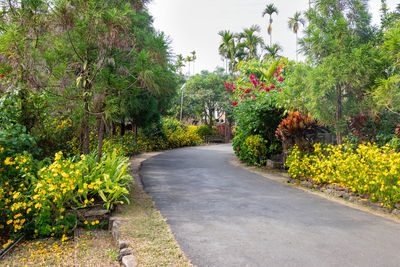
<point x="250" y="41"/>
<point x="270" y="9"/>
<point x="294" y="24"/>
<point x="272" y="51"/>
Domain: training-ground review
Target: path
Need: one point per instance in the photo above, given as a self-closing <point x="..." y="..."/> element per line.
<point x="224" y="215"/>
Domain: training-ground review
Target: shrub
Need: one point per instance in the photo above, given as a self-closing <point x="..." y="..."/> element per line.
<point x="203" y="130"/>
<point x="367" y="170"/>
<point x="256" y="150"/>
<point x="38" y="203"/>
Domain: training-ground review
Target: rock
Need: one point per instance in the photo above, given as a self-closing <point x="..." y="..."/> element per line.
<point x="124" y="252"/>
<point x="364" y="202"/>
<point x="339" y="193"/>
<point x="129" y="261"/>
<point x="353" y="198"/>
<point x="116" y="234"/>
<point x="307" y="184"/>
<point x="330" y="186"/>
<point x="98" y="213"/>
<point x="330" y="191"/>
<point x="396" y="212"/>
<point x="274" y="164"/>
<point x="376" y="205"/>
<point x="123" y="244"/>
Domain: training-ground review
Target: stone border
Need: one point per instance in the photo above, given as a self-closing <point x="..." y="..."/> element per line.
<point x="331" y="192"/>
<point x="346" y="194"/>
<point x="126" y="256"/>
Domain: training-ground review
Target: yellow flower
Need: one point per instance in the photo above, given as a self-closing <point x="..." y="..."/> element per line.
<point x="8" y="161"/>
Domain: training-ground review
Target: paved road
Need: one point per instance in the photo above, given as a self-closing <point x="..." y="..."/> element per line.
<point x="222" y="215"/>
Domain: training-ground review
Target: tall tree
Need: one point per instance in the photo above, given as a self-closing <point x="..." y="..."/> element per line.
<point x="270" y="9"/>
<point x="339" y="34"/>
<point x="206" y="95"/>
<point x="226" y="46"/>
<point x="294" y="24"/>
<point x="194" y="57"/>
<point x="86" y="55"/>
<point x="272" y="51"/>
<point x="251" y="41"/>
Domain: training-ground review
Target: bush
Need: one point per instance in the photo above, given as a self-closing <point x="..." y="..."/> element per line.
<point x="368" y="170"/>
<point x="256" y="150"/>
<point x="203" y="130"/>
<point x="178" y="135"/>
<point x="37" y="203"/>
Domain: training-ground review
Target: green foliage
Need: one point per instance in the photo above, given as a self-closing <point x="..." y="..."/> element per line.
<point x="14" y="137"/>
<point x="254" y="150"/>
<point x="39" y="202"/>
<point x="203" y="130"/>
<point x="256" y="108"/>
<point x="204" y="95"/>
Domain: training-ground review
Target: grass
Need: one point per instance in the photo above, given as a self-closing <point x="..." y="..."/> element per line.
<point x="146" y="229"/>
<point x="89" y="250"/>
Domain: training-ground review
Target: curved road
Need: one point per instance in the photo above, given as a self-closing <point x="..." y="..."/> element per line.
<point x="223" y="215"/>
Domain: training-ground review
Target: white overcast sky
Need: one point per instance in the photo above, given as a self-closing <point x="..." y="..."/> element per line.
<point x="194" y="24"/>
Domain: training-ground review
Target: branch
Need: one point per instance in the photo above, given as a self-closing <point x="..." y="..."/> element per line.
<point x="73" y="47"/>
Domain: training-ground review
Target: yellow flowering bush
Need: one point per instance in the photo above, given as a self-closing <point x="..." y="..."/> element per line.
<point x="367" y="170"/>
<point x="255" y="150"/>
<point x="40" y="202"/>
<point x="179" y="135"/>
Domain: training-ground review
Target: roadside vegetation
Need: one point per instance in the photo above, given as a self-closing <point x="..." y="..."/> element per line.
<point x="334" y="117"/>
<point x="86" y="85"/>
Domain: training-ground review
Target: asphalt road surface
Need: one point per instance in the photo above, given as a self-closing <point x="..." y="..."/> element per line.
<point x="224" y="215"/>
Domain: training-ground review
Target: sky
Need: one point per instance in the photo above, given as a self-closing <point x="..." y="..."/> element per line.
<point x="193" y="25"/>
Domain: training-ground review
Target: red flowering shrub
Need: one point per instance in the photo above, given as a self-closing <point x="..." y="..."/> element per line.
<point x="293" y="126"/>
<point x="292" y="131"/>
<point x="255" y="96"/>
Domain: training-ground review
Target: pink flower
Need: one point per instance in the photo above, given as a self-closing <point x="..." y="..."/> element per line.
<point x="252" y="77"/>
<point x="280" y="89"/>
<point x="272" y="86"/>
<point x="266" y="89"/>
<point x="2" y="76"/>
<point x="234" y="103"/>
<point x="280" y="79"/>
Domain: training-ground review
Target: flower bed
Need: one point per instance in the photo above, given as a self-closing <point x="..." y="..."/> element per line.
<point x="35" y="200"/>
<point x="369" y="171"/>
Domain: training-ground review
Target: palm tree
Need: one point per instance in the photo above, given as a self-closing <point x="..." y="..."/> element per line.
<point x="179" y="63"/>
<point x="294" y="24"/>
<point x="188" y="59"/>
<point x="193" y="58"/>
<point x="226" y="46"/>
<point x="270" y="9"/>
<point x="272" y="51"/>
<point x="250" y="41"/>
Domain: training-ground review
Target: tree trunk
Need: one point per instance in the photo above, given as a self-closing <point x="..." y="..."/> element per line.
<point x="338" y="114"/>
<point x="101" y="132"/>
<point x="297" y="58"/>
<point x="122" y="127"/>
